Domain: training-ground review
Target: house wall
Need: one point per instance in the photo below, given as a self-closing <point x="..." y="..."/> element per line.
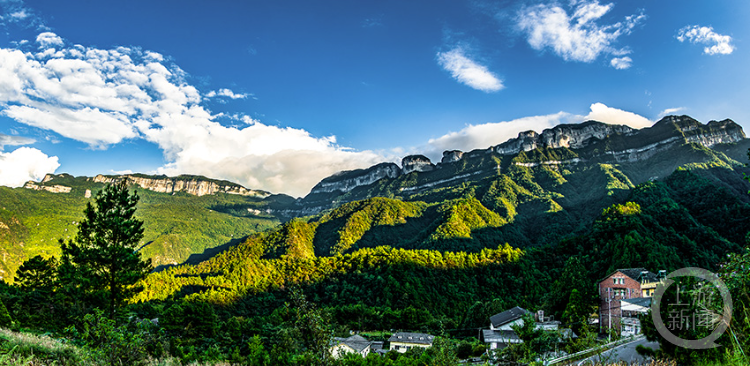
<point x="340" y="350"/>
<point x="610" y="294"/>
<point x="404" y="346"/>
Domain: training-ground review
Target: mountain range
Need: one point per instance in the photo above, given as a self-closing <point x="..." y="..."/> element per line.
<point x="534" y="190"/>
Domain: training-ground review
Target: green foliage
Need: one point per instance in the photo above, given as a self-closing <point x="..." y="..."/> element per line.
<point x="5" y="319"/>
<point x="461" y="217"/>
<point x="112" y="344"/>
<point x="176" y="226"/>
<point x="37" y="274"/>
<point x="102" y="261"/>
<point x="577" y="312"/>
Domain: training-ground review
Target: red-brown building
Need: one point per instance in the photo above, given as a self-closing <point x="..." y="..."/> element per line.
<point x="622" y="284"/>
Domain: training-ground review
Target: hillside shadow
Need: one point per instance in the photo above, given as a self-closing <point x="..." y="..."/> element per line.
<point x="207" y="253"/>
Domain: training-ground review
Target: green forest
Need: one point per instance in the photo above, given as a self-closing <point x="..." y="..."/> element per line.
<point x="439" y="261"/>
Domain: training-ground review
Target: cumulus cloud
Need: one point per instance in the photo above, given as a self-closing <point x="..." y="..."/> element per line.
<point x="485" y="135"/>
<point x="468" y="72"/>
<point x="621" y="63"/>
<point x="226" y="93"/>
<point x="49" y="39"/>
<point x="602" y="113"/>
<point x="575" y="36"/>
<point x="716" y="44"/>
<point x="104" y="96"/>
<point x="24" y="164"/>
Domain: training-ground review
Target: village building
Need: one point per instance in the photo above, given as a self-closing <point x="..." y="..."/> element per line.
<point x="354" y="344"/>
<point x="402" y="341"/>
<point x="618" y="307"/>
<point x="501" y="333"/>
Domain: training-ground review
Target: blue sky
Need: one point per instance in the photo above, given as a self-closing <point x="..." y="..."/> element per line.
<point x="277" y="95"/>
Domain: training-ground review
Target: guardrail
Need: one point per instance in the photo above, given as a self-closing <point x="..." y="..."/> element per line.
<point x="591" y="351"/>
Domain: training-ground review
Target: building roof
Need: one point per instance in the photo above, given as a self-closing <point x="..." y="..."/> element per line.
<point x="637" y="274"/>
<point x="500" y="336"/>
<point x="355" y="342"/>
<point x="508" y="316"/>
<point x="639" y="304"/>
<point x="419" y="338"/>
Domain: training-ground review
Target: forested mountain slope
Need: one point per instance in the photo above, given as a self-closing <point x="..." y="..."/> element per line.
<point x="179" y="223"/>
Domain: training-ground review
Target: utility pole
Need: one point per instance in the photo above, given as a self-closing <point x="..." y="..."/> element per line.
<point x="609" y="314"/>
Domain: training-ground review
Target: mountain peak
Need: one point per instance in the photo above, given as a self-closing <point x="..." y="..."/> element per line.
<point x="566" y="135"/>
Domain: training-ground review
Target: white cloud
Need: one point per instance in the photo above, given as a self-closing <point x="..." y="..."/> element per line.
<point x="19" y="14"/>
<point x="15" y="11"/>
<point x="716" y="43"/>
<point x="6" y="140"/>
<point x="483" y="136"/>
<point x="576" y="36"/>
<point x="602" y="113"/>
<point x="104" y="96"/>
<point x="468" y="72"/>
<point x="226" y="93"/>
<point x="49" y="39"/>
<point x="670" y="111"/>
<point x="25" y="164"/>
<point x="621" y="63"/>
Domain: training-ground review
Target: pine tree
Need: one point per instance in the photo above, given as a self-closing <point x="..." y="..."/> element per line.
<point x="37" y="274"/>
<point x="102" y="262"/>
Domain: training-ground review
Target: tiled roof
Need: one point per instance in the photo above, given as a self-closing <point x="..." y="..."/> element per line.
<point x="508" y="316"/>
<point x="637" y="274"/>
<point x="355" y="342"/>
<point x="419" y="338"/>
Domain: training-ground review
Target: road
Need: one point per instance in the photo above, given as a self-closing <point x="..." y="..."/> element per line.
<point x="625" y="352"/>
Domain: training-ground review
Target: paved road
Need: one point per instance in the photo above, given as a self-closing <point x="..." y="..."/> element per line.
<point x="625" y="352"/>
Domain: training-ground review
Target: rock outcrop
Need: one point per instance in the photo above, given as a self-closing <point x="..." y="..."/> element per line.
<point x="596" y="141"/>
<point x="451" y="156"/>
<point x="197" y="186"/>
<point x="347" y="180"/>
<point x="416" y="163"/>
<point x="571" y="136"/>
<point x="54" y="188"/>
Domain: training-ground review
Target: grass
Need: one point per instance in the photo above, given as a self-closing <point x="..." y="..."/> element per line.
<point x="27" y="349"/>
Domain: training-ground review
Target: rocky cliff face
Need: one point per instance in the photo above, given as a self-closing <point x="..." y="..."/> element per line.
<point x="191" y="185"/>
<point x="451" y="156"/>
<point x="54" y="188"/>
<point x="590" y="140"/>
<point x="347" y="180"/>
<point x="416" y="163"/>
<point x="571" y="136"/>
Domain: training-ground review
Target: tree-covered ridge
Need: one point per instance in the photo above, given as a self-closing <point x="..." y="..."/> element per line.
<point x="683" y="220"/>
<point x="237" y="272"/>
<point x="176" y="226"/>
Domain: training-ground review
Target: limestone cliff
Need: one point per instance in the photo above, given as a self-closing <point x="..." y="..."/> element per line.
<point x="572" y="136"/>
<point x="416" y="163"/>
<point x="54" y="188"/>
<point x="588" y="142"/>
<point x="347" y="180"/>
<point x="197" y="186"/>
